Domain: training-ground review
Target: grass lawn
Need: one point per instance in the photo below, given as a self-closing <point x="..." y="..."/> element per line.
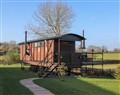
<point x="10" y="75"/>
<point x="81" y="86"/>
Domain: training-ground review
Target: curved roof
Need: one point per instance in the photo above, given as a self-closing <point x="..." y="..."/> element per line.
<point x="71" y="37"/>
<point x="65" y="37"/>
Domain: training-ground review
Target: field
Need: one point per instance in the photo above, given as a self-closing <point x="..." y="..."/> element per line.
<point x="110" y="56"/>
<point x="107" y="56"/>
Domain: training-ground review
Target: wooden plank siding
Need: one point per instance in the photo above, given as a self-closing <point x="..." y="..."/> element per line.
<point x="38" y="53"/>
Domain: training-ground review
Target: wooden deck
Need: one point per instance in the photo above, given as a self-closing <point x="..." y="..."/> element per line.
<point x="37" y="63"/>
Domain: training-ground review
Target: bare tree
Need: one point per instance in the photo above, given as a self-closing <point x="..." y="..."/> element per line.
<point x="103" y="47"/>
<point x="116" y="50"/>
<point x="53" y="19"/>
<point x="95" y="48"/>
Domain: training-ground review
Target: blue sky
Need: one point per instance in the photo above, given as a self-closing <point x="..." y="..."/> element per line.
<point x="99" y="19"/>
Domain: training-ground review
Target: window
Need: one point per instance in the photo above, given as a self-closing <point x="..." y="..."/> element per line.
<point x="38" y="44"/>
<point x="41" y="43"/>
<point x="35" y="44"/>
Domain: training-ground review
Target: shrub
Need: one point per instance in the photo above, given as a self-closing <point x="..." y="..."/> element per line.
<point x="5" y="59"/>
<point x="62" y="70"/>
<point x="11" y="57"/>
<point x="117" y="73"/>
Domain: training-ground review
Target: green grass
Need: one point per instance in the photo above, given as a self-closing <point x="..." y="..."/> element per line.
<point x="10" y="75"/>
<point x="109" y="56"/>
<point x="81" y="86"/>
<point x="112" y="56"/>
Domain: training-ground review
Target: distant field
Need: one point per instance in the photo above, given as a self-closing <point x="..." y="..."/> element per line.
<point x="112" y="56"/>
<point x="109" y="56"/>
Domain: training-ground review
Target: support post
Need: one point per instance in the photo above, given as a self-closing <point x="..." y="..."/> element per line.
<point x="25" y="42"/>
<point x="83" y="46"/>
<point x="58" y="51"/>
<point x="102" y="59"/>
<point x="92" y="58"/>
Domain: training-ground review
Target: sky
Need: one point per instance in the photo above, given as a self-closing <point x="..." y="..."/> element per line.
<point x="98" y="18"/>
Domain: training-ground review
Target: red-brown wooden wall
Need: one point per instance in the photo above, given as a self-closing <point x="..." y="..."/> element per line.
<point x="38" y="53"/>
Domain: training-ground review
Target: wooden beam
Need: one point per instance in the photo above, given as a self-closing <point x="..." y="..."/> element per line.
<point x="58" y="51"/>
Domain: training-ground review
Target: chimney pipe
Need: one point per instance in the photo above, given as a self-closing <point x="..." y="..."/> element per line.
<point x="83" y="33"/>
<point x="25" y="42"/>
<point x="83" y="41"/>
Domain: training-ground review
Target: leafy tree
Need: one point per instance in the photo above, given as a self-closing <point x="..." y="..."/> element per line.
<point x="11" y="52"/>
<point x="11" y="57"/>
<point x="9" y="46"/>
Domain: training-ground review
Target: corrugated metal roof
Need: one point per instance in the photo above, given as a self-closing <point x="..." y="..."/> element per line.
<point x="65" y="37"/>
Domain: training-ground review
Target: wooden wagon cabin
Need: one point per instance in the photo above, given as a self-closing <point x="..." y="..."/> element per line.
<point x="52" y="51"/>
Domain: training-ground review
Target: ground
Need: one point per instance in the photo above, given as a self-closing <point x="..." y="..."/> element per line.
<point x="10" y="75"/>
<point x="81" y="86"/>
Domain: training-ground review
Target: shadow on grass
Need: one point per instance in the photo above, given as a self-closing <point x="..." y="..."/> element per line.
<point x="73" y="86"/>
<point x="9" y="81"/>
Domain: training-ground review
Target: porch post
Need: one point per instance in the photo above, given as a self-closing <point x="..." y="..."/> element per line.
<point x="25" y="42"/>
<point x="59" y="51"/>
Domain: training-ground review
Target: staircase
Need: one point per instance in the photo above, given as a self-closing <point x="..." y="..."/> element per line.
<point x="48" y="70"/>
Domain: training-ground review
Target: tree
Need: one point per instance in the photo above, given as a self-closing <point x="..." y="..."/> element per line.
<point x="11" y="52"/>
<point x="53" y="19"/>
<point x="97" y="48"/>
<point x="9" y="46"/>
<point x="116" y="50"/>
<point x="104" y="48"/>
